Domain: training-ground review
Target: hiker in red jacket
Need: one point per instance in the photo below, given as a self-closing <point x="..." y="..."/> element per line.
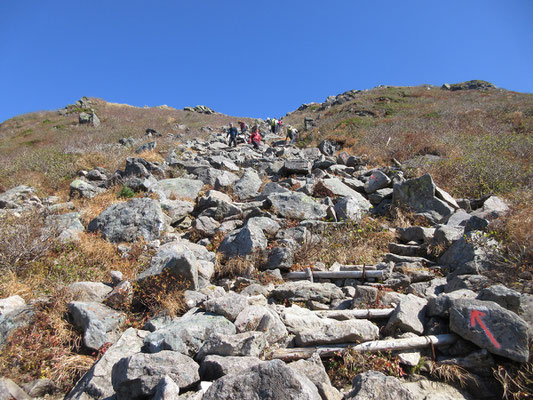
<point x="255" y="137"/>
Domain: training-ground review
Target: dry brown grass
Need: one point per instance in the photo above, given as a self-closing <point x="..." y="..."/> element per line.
<point x="151" y="156"/>
<point x="46" y="149"/>
<point x="92" y="208"/>
<point x="516" y="380"/>
<point x="232" y="267"/>
<point x="450" y="373"/>
<point x="485" y="138"/>
<point x="46" y="348"/>
<point x="514" y="232"/>
<point x="351" y="243"/>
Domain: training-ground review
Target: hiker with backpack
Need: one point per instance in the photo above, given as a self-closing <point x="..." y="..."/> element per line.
<point x="244" y="128"/>
<point x="232" y="133"/>
<point x="278" y="126"/>
<point x="291" y="134"/>
<point x="273" y="124"/>
<point x="255" y="137"/>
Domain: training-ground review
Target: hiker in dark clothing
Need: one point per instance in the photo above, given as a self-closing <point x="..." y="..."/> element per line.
<point x="232" y="133"/>
<point x="255" y="137"/>
<point x="244" y="128"/>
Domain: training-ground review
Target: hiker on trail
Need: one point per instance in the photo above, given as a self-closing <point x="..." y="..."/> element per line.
<point x="255" y="137"/>
<point x="278" y="126"/>
<point x="291" y="134"/>
<point x="244" y="128"/>
<point x="232" y="133"/>
<point x="273" y="124"/>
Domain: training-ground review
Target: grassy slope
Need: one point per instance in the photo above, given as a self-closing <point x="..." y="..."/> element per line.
<point x="485" y="138"/>
<point x="46" y="149"/>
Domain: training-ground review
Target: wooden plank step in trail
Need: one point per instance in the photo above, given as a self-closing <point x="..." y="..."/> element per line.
<point x="342" y="315"/>
<point x="298" y="353"/>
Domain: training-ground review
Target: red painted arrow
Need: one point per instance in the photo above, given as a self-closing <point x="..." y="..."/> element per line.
<point x="475" y="316"/>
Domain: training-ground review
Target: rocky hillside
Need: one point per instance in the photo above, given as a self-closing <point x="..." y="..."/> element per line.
<point x="176" y="267"/>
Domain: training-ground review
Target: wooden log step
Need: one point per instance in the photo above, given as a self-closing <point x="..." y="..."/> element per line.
<point x="334" y="275"/>
<point x="342" y="315"/>
<point x="298" y="353"/>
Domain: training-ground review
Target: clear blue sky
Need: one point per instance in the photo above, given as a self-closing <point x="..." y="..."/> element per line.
<point x="252" y="58"/>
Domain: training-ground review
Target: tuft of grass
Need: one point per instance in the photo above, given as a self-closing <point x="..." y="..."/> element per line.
<point x="450" y="373"/>
<point x="232" y="267"/>
<point x="151" y="156"/>
<point x="344" y="366"/>
<point x="350" y="243"/>
<point x="516" y="380"/>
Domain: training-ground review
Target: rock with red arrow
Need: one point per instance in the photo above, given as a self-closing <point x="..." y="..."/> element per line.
<point x="491" y="327"/>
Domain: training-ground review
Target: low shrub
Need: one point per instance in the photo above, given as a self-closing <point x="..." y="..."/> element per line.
<point x="126" y="192"/>
<point x="344" y="366"/>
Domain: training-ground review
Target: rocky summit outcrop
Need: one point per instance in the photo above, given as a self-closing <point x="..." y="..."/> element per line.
<point x="227" y="230"/>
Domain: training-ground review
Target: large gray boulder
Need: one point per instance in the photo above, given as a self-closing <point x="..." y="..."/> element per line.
<point x="333" y="331"/>
<point x="10" y="304"/>
<point x="67" y="225"/>
<point x="352" y="208"/>
<point x="298" y="319"/>
<point x="409" y="315"/>
<point x="213" y="367"/>
<point x="439" y="306"/>
<point x="172" y="261"/>
<point x="17" y="318"/>
<point x="272" y="380"/>
<point x="297" y="205"/>
<point x="297" y="166"/>
<point x="243" y="241"/>
<point x="505" y="297"/>
<point x="166" y="389"/>
<point x="250" y="344"/>
<point x="225" y="179"/>
<point x="10" y="390"/>
<point x="378" y="180"/>
<point x="302" y="291"/>
<point x="248" y="186"/>
<point x="373" y="385"/>
<point x="419" y="194"/>
<point x="491" y="327"/>
<point x="136" y="377"/>
<point x="15" y="197"/>
<point x="334" y="187"/>
<point x="129" y="221"/>
<point x="473" y="253"/>
<point x="315" y="371"/>
<point x="178" y="188"/>
<point x="98" y="322"/>
<point x="424" y="389"/>
<point x="229" y="305"/>
<point x="96" y="383"/>
<point x="139" y="167"/>
<point x="186" y="335"/>
<point x="279" y="258"/>
<point x="262" y="319"/>
<point x="89" y="291"/>
<point x="84" y="189"/>
<point x="176" y="210"/>
<point x="493" y="207"/>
